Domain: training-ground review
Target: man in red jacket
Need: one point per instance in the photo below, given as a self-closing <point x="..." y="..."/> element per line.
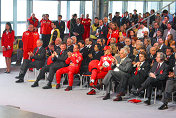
<point x="28" y="41"/>
<point x="34" y="21"/>
<point x="86" y="22"/>
<point x="46" y="30"/>
<point x="100" y="68"/>
<point x="74" y="60"/>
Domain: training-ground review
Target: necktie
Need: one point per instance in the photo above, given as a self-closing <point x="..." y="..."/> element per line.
<point x="157" y="68"/>
<point x="136" y="71"/>
<point x="37" y="51"/>
<point x="61" y="52"/>
<point x="59" y="22"/>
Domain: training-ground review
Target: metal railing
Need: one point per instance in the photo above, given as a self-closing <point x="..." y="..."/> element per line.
<point x="148" y="18"/>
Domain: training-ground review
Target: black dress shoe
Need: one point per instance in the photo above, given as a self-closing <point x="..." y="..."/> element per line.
<point x="163" y="107"/>
<point x="107" y="96"/>
<point x="47" y="87"/>
<point x="58" y="86"/>
<point x="17" y="77"/>
<point x="20" y="81"/>
<point x="147" y="102"/>
<point x="35" y="84"/>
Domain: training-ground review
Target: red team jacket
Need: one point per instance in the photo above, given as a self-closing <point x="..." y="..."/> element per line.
<point x="45" y="27"/>
<point x="32" y="22"/>
<point x="7" y="39"/>
<point x="75" y="60"/>
<point x="115" y="34"/>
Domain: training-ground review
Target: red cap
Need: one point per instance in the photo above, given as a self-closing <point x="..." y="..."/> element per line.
<point x="107" y="47"/>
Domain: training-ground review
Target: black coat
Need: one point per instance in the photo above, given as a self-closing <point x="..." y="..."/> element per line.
<point x="103" y="32"/>
<point x="162" y="73"/>
<point x="61" y="57"/>
<point x="39" y="57"/>
<point x="61" y="28"/>
<point x="80" y="30"/>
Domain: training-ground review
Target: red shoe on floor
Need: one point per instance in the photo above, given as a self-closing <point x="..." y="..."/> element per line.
<point x="92" y="92"/>
<point x="31" y="69"/>
<point x="68" y="88"/>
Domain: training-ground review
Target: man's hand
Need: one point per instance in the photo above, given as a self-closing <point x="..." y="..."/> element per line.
<point x="152" y="75"/>
<point x="114" y="61"/>
<point x="30" y="54"/>
<point x="4" y="49"/>
<point x="90" y="55"/>
<point x="171" y="74"/>
<point x="101" y="67"/>
<point x="69" y="54"/>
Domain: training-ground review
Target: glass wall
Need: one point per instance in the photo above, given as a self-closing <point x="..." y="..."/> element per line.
<point x="51" y="7"/>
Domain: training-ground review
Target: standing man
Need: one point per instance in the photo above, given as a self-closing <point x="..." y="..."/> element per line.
<point x="34" y="21"/>
<point x="46" y="30"/>
<point x="102" y="31"/>
<point x="60" y="24"/>
<point x="78" y="30"/>
<point x="28" y="41"/>
<point x="86" y="22"/>
<point x="72" y="24"/>
<point x="55" y="33"/>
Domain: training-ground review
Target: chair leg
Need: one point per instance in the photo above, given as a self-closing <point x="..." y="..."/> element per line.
<point x="145" y="91"/>
<point x="172" y="97"/>
<point x="155" y="95"/>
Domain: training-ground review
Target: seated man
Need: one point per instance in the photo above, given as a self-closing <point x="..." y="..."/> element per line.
<point x="39" y="60"/>
<point x="100" y="68"/>
<point x="157" y="75"/>
<point x="170" y="87"/>
<point x="74" y="60"/>
<point x="58" y="58"/>
<point x="140" y="71"/>
<point x="121" y="68"/>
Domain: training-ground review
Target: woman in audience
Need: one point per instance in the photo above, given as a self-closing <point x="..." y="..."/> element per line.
<point x="113" y="33"/>
<point x="7" y="40"/>
<point x="169" y="41"/>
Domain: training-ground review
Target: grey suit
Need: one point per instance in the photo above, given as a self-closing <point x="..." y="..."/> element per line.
<point x="171" y="32"/>
<point x="170" y="87"/>
<point x="120" y="76"/>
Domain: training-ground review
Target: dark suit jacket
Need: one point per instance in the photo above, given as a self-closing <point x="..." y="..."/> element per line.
<point x="80" y="30"/>
<point x="162" y="73"/>
<point x="163" y="49"/>
<point x="97" y="56"/>
<point x="39" y="57"/>
<point x="143" y="72"/>
<point x="61" y="27"/>
<point x="171" y="62"/>
<point x="84" y="53"/>
<point x="56" y="48"/>
<point x="60" y="58"/>
<point x="150" y="59"/>
<point x="70" y="49"/>
<point x="103" y="32"/>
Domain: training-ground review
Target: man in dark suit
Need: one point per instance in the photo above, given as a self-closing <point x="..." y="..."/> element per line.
<point x="141" y="70"/>
<point x="121" y="68"/>
<point x="70" y="44"/>
<point x="170" y="87"/>
<point x="38" y="56"/>
<point x="170" y="59"/>
<point x="157" y="75"/>
<point x="151" y="57"/>
<point x="116" y="19"/>
<point x="78" y="30"/>
<point x="102" y="31"/>
<point x="84" y="51"/>
<point x="162" y="45"/>
<point x="153" y="32"/>
<point x="58" y="58"/>
<point x="159" y="34"/>
<point x="61" y="26"/>
<point x="72" y="24"/>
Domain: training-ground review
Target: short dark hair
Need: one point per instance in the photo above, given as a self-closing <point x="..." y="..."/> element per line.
<point x="143" y="53"/>
<point x="63" y="43"/>
<point x="47" y="15"/>
<point x="60" y="16"/>
<point x="165" y="11"/>
<point x="54" y="23"/>
<point x="169" y="48"/>
<point x="96" y="18"/>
